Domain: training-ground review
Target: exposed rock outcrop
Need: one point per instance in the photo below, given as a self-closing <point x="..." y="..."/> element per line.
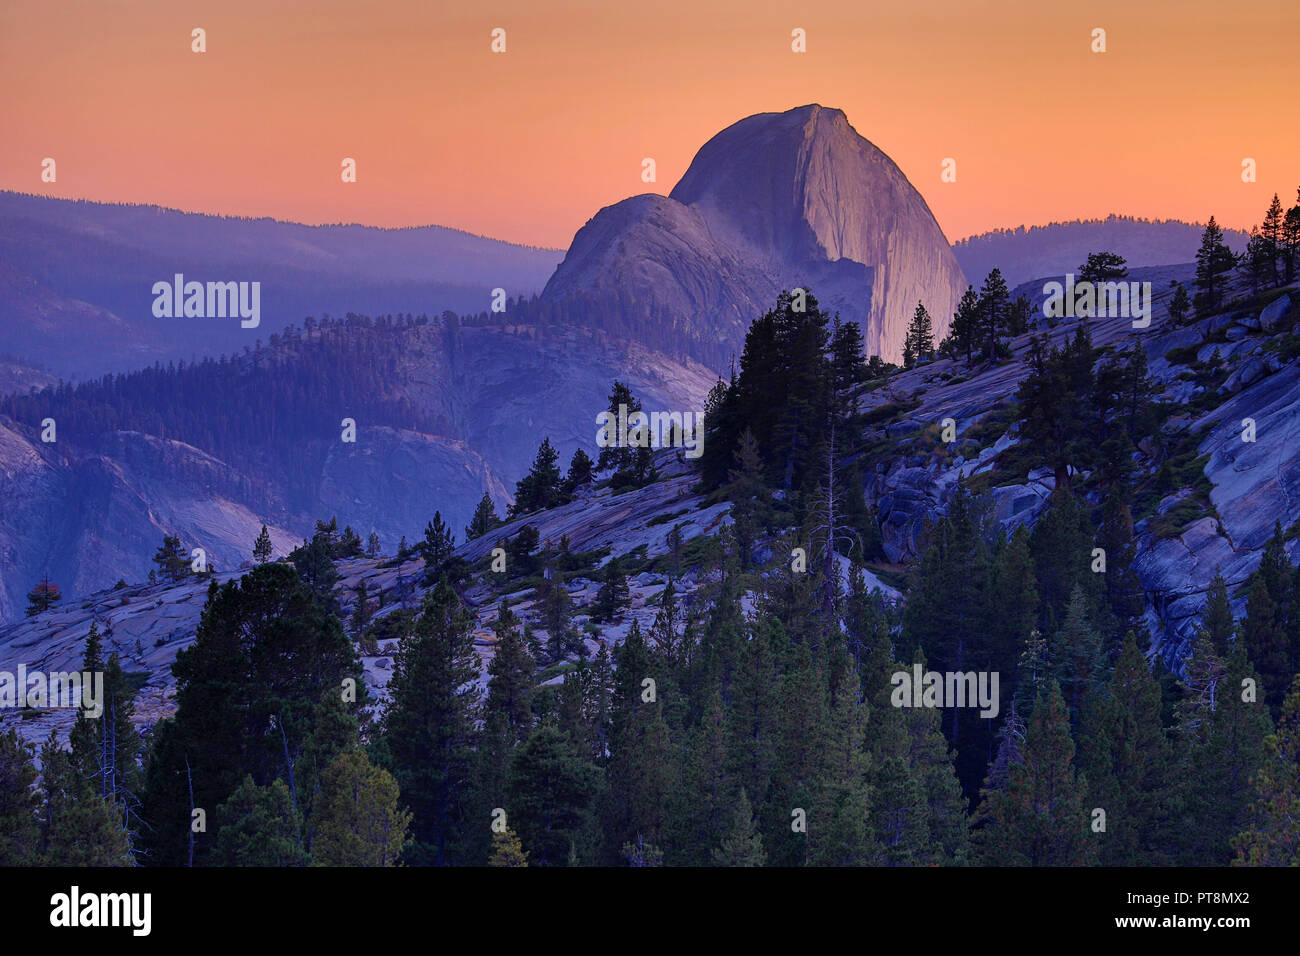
<point x="777" y="200"/>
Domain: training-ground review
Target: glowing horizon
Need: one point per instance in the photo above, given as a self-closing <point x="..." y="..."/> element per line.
<point x="527" y="145"/>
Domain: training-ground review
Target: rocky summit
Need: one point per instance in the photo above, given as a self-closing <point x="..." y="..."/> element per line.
<point x="777" y="200"/>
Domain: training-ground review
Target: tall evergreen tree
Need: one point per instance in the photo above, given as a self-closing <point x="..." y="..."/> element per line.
<point x="619" y="458"/>
<point x="1214" y="260"/>
<point x="1218" y="621"/>
<point x="173" y="563"/>
<point x="1221" y="730"/>
<point x="259" y="826"/>
<point x="613" y="595"/>
<point x="262" y="547"/>
<point x="1129" y="764"/>
<point x="1054" y="402"/>
<point x="247" y="693"/>
<point x="484" y="520"/>
<point x="1273" y="838"/>
<point x="540" y="488"/>
<point x="429" y="727"/>
<point x="919" y="341"/>
<point x="551" y="794"/>
<point x="582" y="471"/>
<point x="1040" y="817"/>
<point x="1180" y="305"/>
<point x="1076" y="655"/>
<point x="356" y="819"/>
<point x="743" y="844"/>
<point x="1271" y="230"/>
<point x="993" y="310"/>
<point x="964" y="333"/>
<point x="19" y="830"/>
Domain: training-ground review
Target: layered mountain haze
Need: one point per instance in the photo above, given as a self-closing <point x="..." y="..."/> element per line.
<point x="777" y="200"/>
<point x="74" y="271"/>
<point x="1056" y="248"/>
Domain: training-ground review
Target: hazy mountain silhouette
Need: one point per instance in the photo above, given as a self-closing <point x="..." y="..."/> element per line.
<point x="80" y="274"/>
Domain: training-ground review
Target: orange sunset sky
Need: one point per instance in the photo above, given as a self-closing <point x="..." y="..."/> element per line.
<point x="528" y="144"/>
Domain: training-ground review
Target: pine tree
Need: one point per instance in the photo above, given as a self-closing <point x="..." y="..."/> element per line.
<point x="750" y="498"/>
<point x="919" y="341"/>
<point x="247" y="692"/>
<point x="1020" y="315"/>
<point x="614" y="457"/>
<point x="1272" y="232"/>
<point x="1221" y="733"/>
<point x="349" y="544"/>
<point x="699" y="803"/>
<point x="511" y="678"/>
<point x="640" y="777"/>
<point x="848" y="369"/>
<point x="1054" y="398"/>
<point x="485" y="519"/>
<point x="1259" y="262"/>
<point x="582" y="471"/>
<point x="372" y="544"/>
<point x="613" y="595"/>
<point x="104" y="748"/>
<point x="1124" y="595"/>
<point x="964" y="333"/>
<point x="507" y="850"/>
<point x="1214" y="260"/>
<point x="1075" y="654"/>
<point x="1180" y="305"/>
<point x="840" y="831"/>
<point x="19" y="830"/>
<point x="362" y="611"/>
<point x="1129" y="764"/>
<point x="944" y="615"/>
<point x="262" y="547"/>
<point x="1263" y="636"/>
<point x="356" y="820"/>
<point x="44" y="596"/>
<point x="743" y="844"/>
<point x="540" y="488"/>
<point x="439" y="546"/>
<point x="1103" y="267"/>
<point x="259" y="826"/>
<point x="79" y="828"/>
<point x="555" y="608"/>
<point x="314" y="562"/>
<point x="429" y="726"/>
<point x="1061" y="545"/>
<point x="1012" y="607"/>
<point x="918" y="810"/>
<point x="801" y="741"/>
<point x="551" y="792"/>
<point x="173" y="563"/>
<point x="1040" y="817"/>
<point x="1290" y="243"/>
<point x="992" y="309"/>
<point x="1218" y="621"/>
<point x="1273" y="838"/>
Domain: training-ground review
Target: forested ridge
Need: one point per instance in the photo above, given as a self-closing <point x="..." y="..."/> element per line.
<point x="755" y="720"/>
